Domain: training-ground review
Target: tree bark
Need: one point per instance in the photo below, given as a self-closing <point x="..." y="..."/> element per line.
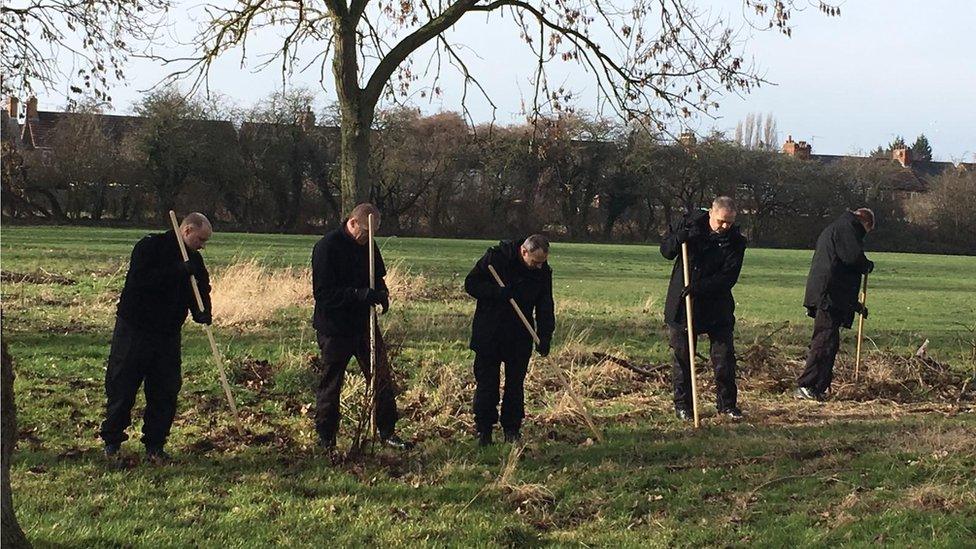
<point x="356" y="114"/>
<point x="12" y="536"/>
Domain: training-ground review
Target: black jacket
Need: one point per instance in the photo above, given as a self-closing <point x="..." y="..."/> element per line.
<point x="496" y="327"/>
<point x="716" y="260"/>
<point x="836" y="269"/>
<point x="340" y="266"/>
<point x="157" y="293"/>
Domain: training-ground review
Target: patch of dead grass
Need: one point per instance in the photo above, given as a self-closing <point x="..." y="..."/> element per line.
<point x="247" y="293"/>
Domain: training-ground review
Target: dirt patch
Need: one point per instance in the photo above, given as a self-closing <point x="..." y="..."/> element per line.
<point x="256" y="375"/>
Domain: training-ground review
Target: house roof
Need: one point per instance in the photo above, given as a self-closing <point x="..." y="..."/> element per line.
<point x="39" y="132"/>
<point x="914" y="178"/>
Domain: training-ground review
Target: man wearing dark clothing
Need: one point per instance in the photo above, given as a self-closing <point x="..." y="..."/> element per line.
<point x="343" y="300"/>
<point x="716" y="249"/>
<point x="831" y="296"/>
<point x="498" y="335"/>
<point x="146" y="338"/>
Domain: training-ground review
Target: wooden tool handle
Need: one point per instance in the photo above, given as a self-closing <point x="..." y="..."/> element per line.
<point x="691" y="334"/>
<point x="518" y="310"/>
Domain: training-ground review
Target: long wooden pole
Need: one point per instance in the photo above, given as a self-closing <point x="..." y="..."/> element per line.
<point x="372" y="331"/>
<point x="691" y="335"/>
<point x="213" y="343"/>
<point x="860" y="329"/>
<point x="562" y="375"/>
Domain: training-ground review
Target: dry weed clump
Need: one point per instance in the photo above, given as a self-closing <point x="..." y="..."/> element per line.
<point x="404" y="285"/>
<point x="904" y="379"/>
<point x="938" y="497"/>
<point x="519" y="494"/>
<point x="247" y="293"/>
<point x="439" y="399"/>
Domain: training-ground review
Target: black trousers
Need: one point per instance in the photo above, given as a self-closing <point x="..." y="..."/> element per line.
<point x="336" y="353"/>
<point x="143" y="358"/>
<point x="487" y="375"/>
<point x="819" y="371"/>
<point x="723" y="361"/>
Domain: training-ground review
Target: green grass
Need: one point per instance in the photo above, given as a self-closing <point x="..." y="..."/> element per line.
<point x="792" y="474"/>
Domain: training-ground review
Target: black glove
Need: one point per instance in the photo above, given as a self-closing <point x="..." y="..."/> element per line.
<point x="543" y="347"/>
<point x="188" y="269"/>
<point x="688" y="290"/>
<point x="870" y="266"/>
<point x="861" y="308"/>
<point x="681" y="235"/>
<point x="205" y="317"/>
<point x="384" y="300"/>
<point x="369" y="296"/>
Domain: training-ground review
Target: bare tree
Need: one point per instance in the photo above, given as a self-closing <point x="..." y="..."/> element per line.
<point x="12" y="536"/>
<point x="655" y="61"/>
<point x="98" y="36"/>
<point x="757" y="133"/>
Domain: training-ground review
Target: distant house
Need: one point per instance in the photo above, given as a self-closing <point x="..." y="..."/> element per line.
<point x="914" y="177"/>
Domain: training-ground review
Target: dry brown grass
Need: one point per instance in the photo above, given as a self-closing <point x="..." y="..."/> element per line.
<point x="247" y="293"/>
<point x="938" y="497"/>
<point x="521" y="494"/>
<point x="404" y="285"/>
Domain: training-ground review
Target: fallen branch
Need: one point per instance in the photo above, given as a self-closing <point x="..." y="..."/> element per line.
<point x="646" y="370"/>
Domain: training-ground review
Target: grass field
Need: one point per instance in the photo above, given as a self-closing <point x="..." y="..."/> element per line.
<point x="890" y="461"/>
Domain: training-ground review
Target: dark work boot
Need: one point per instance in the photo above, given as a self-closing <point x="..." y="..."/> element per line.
<point x="112" y="450"/>
<point x="484" y="438"/>
<point x="157" y="456"/>
<point x="684" y="414"/>
<point x="732" y="412"/>
<point x="391" y="440"/>
<point x="806" y="393"/>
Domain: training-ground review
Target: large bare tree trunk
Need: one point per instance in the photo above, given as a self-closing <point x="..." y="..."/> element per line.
<point x="356" y="113"/>
<point x="12" y="536"/>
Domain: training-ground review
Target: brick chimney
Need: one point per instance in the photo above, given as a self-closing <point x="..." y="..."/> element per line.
<point x="13" y="107"/>
<point x="903" y="156"/>
<point x="32" y="108"/>
<point x="797" y="149"/>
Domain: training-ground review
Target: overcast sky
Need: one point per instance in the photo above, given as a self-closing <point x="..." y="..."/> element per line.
<point x="845" y="84"/>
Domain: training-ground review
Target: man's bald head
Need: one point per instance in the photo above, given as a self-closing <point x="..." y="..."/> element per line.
<point x="358" y="223"/>
<point x="196" y="220"/>
<point x="196" y="230"/>
<point x="866" y="217"/>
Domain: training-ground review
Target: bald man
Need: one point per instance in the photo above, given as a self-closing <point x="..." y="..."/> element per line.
<point x="146" y="339"/>
<point x="716" y="249"/>
<point x="343" y="298"/>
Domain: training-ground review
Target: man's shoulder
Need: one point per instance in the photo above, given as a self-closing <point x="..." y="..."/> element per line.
<point x="330" y="239"/>
<point x="152" y="240"/>
<point x="739" y="240"/>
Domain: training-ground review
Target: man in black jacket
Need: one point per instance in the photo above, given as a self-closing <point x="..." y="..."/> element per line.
<point x="343" y="299"/>
<point x="716" y="249"/>
<point x="831" y="296"/>
<point x="146" y="338"/>
<point x="498" y="335"/>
